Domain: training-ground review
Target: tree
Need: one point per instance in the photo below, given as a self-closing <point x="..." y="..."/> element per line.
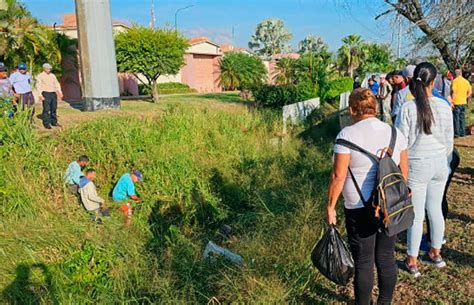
<point x="447" y="24"/>
<point x="241" y="71"/>
<point x="312" y="44"/>
<point x="286" y="71"/>
<point x="351" y="54"/>
<point x="151" y="53"/>
<point x="270" y="37"/>
<point x="24" y="39"/>
<point x="377" y="58"/>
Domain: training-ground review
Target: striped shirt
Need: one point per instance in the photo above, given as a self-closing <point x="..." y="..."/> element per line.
<point x="420" y="145"/>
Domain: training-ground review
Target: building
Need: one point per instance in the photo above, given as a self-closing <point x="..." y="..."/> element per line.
<point x="200" y="71"/>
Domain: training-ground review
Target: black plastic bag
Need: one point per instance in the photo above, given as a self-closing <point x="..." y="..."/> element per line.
<point x="332" y="257"/>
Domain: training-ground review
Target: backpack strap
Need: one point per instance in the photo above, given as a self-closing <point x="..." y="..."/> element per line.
<point x="365" y="152"/>
<point x="357" y="148"/>
<point x="357" y="188"/>
<point x="393" y="140"/>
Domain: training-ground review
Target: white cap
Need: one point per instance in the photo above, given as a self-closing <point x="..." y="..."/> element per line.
<point x="383" y="75"/>
<point x="408" y="71"/>
<point x="47" y="66"/>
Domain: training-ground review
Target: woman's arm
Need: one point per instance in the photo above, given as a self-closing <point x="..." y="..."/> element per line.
<point x="338" y="178"/>
<point x="404" y="163"/>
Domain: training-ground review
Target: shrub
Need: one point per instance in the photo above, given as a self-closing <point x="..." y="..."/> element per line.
<point x="320" y="114"/>
<point x="270" y="96"/>
<point x="335" y="87"/>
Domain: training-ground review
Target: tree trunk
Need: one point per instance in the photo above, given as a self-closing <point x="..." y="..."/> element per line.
<point x="154" y="93"/>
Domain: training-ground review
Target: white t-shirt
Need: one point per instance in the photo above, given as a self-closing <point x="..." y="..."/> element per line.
<point x="374" y="136"/>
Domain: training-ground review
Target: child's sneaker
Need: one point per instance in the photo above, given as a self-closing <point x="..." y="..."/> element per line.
<point x="413" y="270"/>
<point x="436" y="261"/>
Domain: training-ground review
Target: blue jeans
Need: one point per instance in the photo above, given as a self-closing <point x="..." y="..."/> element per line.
<point x="459" y="118"/>
<point x="427" y="179"/>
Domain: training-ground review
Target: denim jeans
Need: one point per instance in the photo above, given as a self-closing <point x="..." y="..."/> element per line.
<point x="427" y="179"/>
<point x="459" y="117"/>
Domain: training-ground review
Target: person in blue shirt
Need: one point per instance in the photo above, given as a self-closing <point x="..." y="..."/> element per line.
<point x="73" y="174"/>
<point x="373" y="86"/>
<point x="21" y="82"/>
<point x="125" y="189"/>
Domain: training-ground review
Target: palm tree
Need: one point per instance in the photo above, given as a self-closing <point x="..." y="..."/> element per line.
<point x="230" y="75"/>
<point x="241" y="71"/>
<point x="24" y="39"/>
<point x="285" y="71"/>
<point x="351" y="53"/>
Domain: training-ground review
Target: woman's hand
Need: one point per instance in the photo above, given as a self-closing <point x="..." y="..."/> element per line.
<point x="331" y="216"/>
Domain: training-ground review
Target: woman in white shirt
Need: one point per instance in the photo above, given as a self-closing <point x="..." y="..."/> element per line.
<point x="427" y="122"/>
<point x="368" y="246"/>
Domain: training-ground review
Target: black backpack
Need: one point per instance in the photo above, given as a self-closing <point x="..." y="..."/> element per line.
<point x="389" y="205"/>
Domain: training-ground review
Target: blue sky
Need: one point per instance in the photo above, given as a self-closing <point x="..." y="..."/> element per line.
<point x="330" y="19"/>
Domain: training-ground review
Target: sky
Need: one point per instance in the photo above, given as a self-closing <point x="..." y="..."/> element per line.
<point x="234" y="21"/>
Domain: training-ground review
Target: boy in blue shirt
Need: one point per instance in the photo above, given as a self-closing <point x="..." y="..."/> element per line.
<point x="125" y="189"/>
<point x="73" y="174"/>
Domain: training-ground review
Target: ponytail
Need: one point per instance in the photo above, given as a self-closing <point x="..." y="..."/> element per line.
<point x="423" y="75"/>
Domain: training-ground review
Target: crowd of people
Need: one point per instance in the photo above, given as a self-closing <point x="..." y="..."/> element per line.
<point x="81" y="184"/>
<point x="427" y="110"/>
<point x="17" y="89"/>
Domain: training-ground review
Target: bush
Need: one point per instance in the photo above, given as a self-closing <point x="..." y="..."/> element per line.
<point x="320" y="114"/>
<point x="335" y="87"/>
<point x="270" y="96"/>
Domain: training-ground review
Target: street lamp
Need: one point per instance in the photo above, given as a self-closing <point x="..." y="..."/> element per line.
<point x="176" y="16"/>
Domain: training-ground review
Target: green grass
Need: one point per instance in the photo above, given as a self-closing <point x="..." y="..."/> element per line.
<point x="207" y="161"/>
<point x="204" y="166"/>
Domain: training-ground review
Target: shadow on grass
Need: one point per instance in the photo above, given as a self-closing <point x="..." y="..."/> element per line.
<point x="24" y="290"/>
<point x="461" y="217"/>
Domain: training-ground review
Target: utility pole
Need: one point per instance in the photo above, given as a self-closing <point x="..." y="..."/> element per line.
<point x="399" y="48"/>
<point x="100" y="89"/>
<point x="176" y="16"/>
<point x="152" y="12"/>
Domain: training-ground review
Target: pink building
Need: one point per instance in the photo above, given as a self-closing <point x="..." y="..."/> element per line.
<point x="201" y="69"/>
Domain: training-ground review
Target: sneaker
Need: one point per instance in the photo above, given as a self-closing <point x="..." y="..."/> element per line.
<point x="413" y="270"/>
<point x="436" y="261"/>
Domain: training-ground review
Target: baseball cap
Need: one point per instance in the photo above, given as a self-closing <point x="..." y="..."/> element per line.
<point x="408" y="71"/>
<point x="383" y="75"/>
<point x="22" y="66"/>
<point x="397" y="73"/>
<point x="138" y="174"/>
<point x="47" y="66"/>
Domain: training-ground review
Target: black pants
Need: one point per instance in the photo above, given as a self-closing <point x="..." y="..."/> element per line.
<point x="444" y="204"/>
<point x="459" y="117"/>
<point x="369" y="247"/>
<point x="50" y="107"/>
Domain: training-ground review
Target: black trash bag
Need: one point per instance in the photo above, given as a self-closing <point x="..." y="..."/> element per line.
<point x="332" y="257"/>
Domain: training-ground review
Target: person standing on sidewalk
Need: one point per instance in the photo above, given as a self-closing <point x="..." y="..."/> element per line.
<point x="384" y="96"/>
<point x="50" y="90"/>
<point x="21" y="82"/>
<point x="461" y="90"/>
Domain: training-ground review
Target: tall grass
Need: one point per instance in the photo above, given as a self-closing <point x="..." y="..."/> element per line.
<point x="203" y="167"/>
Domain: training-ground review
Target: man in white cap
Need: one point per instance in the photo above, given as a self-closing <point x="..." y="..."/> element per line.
<point x="403" y="95"/>
<point x="49" y="89"/>
<point x="384" y="95"/>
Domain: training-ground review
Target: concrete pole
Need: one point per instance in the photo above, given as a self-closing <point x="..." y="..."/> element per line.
<point x="100" y="88"/>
